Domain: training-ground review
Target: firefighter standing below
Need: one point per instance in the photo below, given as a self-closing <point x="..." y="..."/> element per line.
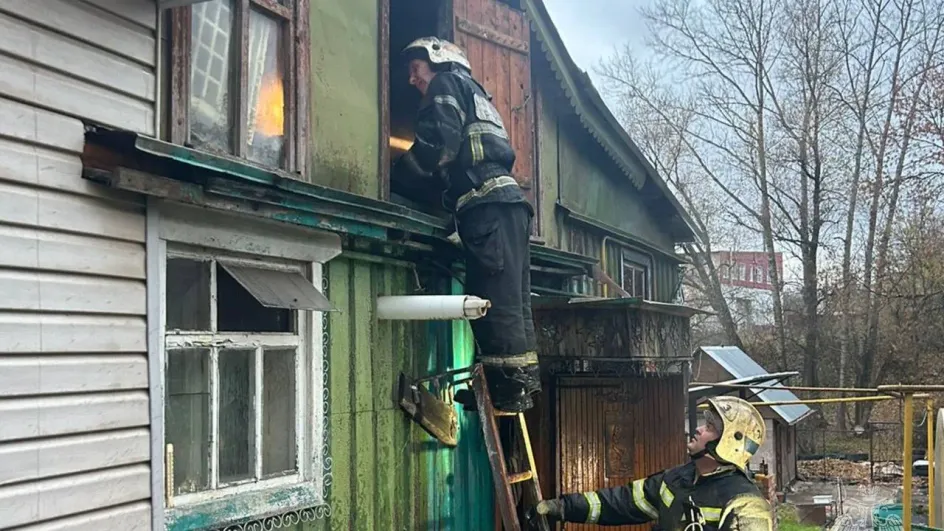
<point x="461" y="148"/>
<point x="713" y="491"/>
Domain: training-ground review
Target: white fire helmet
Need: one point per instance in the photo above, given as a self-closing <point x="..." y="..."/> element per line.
<point x="439" y="51"/>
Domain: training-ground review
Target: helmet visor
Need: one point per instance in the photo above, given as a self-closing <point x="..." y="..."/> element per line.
<point x="711" y="419"/>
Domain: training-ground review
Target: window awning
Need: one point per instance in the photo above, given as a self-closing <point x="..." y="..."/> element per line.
<point x="287" y="290"/>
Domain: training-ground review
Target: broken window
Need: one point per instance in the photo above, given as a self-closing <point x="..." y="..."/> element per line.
<point x="237" y="357"/>
<point x="235" y="90"/>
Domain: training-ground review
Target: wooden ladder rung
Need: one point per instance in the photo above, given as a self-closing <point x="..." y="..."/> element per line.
<point x="505" y="413"/>
<point x="521" y="477"/>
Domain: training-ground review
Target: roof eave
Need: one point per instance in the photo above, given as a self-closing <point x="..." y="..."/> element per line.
<point x="577" y="87"/>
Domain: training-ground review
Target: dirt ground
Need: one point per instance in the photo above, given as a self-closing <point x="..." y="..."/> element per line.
<point x="854" y="507"/>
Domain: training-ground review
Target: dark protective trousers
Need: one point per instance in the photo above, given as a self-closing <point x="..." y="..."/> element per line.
<point x="495" y="239"/>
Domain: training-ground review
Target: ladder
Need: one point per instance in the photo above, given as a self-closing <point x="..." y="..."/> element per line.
<point x="503" y="481"/>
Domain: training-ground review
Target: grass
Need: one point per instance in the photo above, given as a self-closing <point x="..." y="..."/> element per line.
<point x="787" y="520"/>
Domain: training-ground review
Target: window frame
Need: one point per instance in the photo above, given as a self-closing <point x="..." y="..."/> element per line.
<point x="171" y="224"/>
<point x="212" y="340"/>
<point x="636" y="261"/>
<point x="296" y="37"/>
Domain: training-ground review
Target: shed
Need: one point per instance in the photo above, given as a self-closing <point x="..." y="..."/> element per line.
<point x="731" y="365"/>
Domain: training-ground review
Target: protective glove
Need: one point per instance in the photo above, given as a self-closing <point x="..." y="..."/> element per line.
<point x="553" y="510"/>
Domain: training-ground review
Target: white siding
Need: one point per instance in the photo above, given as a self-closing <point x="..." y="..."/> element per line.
<point x="74" y="417"/>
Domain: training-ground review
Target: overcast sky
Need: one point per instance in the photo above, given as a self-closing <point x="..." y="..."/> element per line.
<point x="592" y="29"/>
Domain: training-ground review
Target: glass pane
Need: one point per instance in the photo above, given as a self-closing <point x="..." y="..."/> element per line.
<point x="266" y="91"/>
<point x="187" y="417"/>
<point x="211" y="97"/>
<point x="640" y="283"/>
<point x="238" y="311"/>
<point x="278" y="412"/>
<point x="188" y="294"/>
<point x="237" y="418"/>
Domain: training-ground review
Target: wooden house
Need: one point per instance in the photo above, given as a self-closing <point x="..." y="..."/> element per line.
<point x="196" y="222"/>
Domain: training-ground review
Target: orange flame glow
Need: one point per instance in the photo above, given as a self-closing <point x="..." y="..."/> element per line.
<point x="270" y="107"/>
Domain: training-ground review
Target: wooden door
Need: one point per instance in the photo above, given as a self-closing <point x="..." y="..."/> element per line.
<point x="496" y="39"/>
<point x="612" y="432"/>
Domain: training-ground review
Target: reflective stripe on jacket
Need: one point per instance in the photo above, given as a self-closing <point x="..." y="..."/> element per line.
<point x="674" y="498"/>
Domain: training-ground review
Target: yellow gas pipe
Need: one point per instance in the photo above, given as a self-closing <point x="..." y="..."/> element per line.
<point x="909" y="392"/>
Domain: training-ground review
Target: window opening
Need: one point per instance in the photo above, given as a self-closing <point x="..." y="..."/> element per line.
<point x="233" y="373"/>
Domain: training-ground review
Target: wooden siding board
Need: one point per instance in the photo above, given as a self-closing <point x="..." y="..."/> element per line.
<point x="57" y="374"/>
<point x="33" y="460"/>
<point x="365" y="474"/>
<point x="141" y="12"/>
<point x="24" y="418"/>
<point x="88" y="24"/>
<point x="47" y="250"/>
<point x="132" y="516"/>
<point x="57" y="292"/>
<point x="28" y="82"/>
<point x="26" y="333"/>
<point x="362" y="309"/>
<point x="340" y="366"/>
<point x="54" y="210"/>
<point x="77" y="59"/>
<point x="31" y="165"/>
<point x="343" y="501"/>
<point x="45" y="500"/>
<point x="38" y="126"/>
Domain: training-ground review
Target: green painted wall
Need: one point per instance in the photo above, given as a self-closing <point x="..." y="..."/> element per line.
<point x="547" y="167"/>
<point x="591" y="184"/>
<point x="387" y="472"/>
<point x="345" y="95"/>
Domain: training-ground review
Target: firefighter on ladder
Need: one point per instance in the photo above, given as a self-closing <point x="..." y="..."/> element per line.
<point x="461" y="149"/>
<point x="714" y="490"/>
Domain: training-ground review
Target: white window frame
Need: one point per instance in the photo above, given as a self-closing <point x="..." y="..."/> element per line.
<point x="173" y="229"/>
<point x="178" y="339"/>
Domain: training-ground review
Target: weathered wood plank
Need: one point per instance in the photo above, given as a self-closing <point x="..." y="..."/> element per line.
<point x="54" y="210"/>
<point x="58" y="374"/>
<point x="388" y="468"/>
<point x="58" y="292"/>
<point x="142" y="12"/>
<point x="26" y="164"/>
<point x="55" y="251"/>
<point x="383" y="353"/>
<point x="33" y="460"/>
<point x="339" y="334"/>
<point x="25" y="418"/>
<point x="53" y="498"/>
<point x="132" y="516"/>
<point x="362" y="299"/>
<point x="88" y="24"/>
<point x="51" y="90"/>
<point x="24" y="333"/>
<point x="25" y="122"/>
<point x="365" y="486"/>
<point x="343" y="502"/>
<point x="77" y="59"/>
<point x="238" y="233"/>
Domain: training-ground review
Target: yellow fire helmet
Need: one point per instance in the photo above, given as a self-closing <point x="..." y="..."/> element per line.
<point x="439" y="51"/>
<point x="742" y="431"/>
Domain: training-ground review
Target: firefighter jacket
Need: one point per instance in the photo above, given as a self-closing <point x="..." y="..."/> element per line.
<point x="460" y="139"/>
<point x="676" y="499"/>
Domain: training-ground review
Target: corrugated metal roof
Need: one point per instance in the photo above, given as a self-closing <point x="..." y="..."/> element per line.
<point x="740" y="365"/>
<point x="279" y="289"/>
